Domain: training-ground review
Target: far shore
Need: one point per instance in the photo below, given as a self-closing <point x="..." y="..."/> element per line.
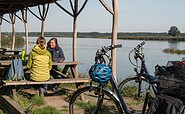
<point x="121" y="35"/>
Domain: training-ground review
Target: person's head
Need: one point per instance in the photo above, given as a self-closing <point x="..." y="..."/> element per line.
<point x="41" y="41"/>
<point x="53" y="43"/>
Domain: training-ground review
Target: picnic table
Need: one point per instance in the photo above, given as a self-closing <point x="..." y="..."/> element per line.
<point x="68" y="66"/>
<point x="9" y="54"/>
<point x="5" y="51"/>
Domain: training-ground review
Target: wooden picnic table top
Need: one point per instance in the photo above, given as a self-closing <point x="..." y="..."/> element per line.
<point x="10" y="55"/>
<point x="9" y="51"/>
<point x="67" y="63"/>
<point x="8" y="62"/>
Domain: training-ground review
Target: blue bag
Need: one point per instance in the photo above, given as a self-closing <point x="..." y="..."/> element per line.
<point x="16" y="71"/>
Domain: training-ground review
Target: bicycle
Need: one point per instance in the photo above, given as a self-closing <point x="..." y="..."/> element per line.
<point x="134" y="87"/>
<point x="98" y="99"/>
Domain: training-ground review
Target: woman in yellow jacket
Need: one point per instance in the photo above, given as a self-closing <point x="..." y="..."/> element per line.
<point x="40" y="64"/>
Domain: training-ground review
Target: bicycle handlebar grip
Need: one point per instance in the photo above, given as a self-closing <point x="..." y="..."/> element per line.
<point x="108" y="48"/>
<point x="117" y="46"/>
<point x="140" y="45"/>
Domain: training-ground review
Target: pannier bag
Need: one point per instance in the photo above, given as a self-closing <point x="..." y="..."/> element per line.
<point x="164" y="104"/>
<point x="16" y="71"/>
<point x="174" y="74"/>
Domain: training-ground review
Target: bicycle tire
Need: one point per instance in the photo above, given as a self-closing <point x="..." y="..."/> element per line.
<point x="89" y="94"/>
<point x="129" y="90"/>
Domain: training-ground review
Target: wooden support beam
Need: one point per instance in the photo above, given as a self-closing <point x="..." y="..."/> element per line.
<point x="10" y="105"/>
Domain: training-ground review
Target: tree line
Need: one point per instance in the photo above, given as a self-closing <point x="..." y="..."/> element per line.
<point x="173" y="31"/>
<point x="90" y="34"/>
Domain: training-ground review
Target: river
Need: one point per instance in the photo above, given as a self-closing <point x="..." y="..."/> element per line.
<point x="86" y="49"/>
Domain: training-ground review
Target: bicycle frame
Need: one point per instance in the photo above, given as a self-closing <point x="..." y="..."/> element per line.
<point x="118" y="93"/>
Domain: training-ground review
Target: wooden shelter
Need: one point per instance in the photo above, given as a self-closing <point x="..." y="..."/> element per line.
<point x="10" y="7"/>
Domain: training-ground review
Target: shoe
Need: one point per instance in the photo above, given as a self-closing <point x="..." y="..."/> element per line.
<point x="54" y="90"/>
<point x="45" y="89"/>
<point x="41" y="92"/>
<point x="37" y="92"/>
<point x="58" y="77"/>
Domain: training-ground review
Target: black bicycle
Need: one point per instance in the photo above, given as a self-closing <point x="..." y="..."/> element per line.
<point x="134" y="87"/>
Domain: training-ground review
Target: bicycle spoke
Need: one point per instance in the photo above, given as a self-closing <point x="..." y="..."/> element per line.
<point x="94" y="103"/>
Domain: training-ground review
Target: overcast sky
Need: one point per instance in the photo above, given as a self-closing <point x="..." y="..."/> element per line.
<point x="134" y="16"/>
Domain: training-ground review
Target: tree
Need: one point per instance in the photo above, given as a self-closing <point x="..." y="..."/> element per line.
<point x="174" y="31"/>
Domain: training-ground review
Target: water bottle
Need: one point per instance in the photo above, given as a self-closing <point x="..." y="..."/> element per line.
<point x="23" y="54"/>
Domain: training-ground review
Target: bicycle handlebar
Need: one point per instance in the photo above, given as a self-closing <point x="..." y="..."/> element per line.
<point x="139" y="46"/>
<point x="101" y="52"/>
<point x="111" y="47"/>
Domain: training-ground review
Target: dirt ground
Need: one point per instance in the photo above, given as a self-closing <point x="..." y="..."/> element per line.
<point x="61" y="101"/>
<point x="58" y="99"/>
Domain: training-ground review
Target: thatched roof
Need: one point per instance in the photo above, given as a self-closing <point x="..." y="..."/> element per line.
<point x="11" y="6"/>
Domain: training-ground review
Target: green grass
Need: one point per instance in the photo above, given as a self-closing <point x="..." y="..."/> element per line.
<point x="47" y="110"/>
<point x="29" y="102"/>
<point x="131" y="90"/>
<point x="36" y="100"/>
<point x="1" y="112"/>
<point x="174" y="51"/>
<point x="36" y="105"/>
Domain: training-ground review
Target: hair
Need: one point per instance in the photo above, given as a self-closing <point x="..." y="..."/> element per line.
<point x="41" y="41"/>
<point x="55" y="40"/>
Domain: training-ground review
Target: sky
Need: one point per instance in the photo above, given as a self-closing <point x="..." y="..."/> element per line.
<point x="133" y="16"/>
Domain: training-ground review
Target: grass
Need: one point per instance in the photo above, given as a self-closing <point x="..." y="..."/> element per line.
<point x="35" y="105"/>
<point x="29" y="102"/>
<point x="47" y="110"/>
<point x="2" y="112"/>
<point x="174" y="51"/>
<point x="131" y="90"/>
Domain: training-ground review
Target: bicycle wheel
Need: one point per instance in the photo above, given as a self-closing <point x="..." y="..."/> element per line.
<point x="133" y="96"/>
<point x="89" y="100"/>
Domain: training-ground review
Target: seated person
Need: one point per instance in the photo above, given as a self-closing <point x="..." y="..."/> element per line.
<point x="57" y="56"/>
<point x="40" y="64"/>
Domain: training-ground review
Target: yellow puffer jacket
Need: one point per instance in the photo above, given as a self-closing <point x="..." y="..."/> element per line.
<point x="40" y="64"/>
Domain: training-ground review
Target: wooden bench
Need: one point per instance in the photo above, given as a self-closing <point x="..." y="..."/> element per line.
<point x="13" y="84"/>
<point x="51" y="81"/>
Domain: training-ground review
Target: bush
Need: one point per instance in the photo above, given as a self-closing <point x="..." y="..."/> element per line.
<point x="7" y="40"/>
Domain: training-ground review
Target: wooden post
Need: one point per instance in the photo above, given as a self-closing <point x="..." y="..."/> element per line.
<point x="75" y="29"/>
<point x="24" y="17"/>
<point x="114" y="12"/>
<point x="43" y="13"/>
<point x="114" y="35"/>
<point x="74" y="14"/>
<point x="12" y="18"/>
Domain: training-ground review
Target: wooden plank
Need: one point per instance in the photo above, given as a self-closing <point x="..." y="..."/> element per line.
<point x="7" y="62"/>
<point x="60" y="73"/>
<point x="67" y="63"/>
<point x="10" y="105"/>
<point x="51" y="81"/>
